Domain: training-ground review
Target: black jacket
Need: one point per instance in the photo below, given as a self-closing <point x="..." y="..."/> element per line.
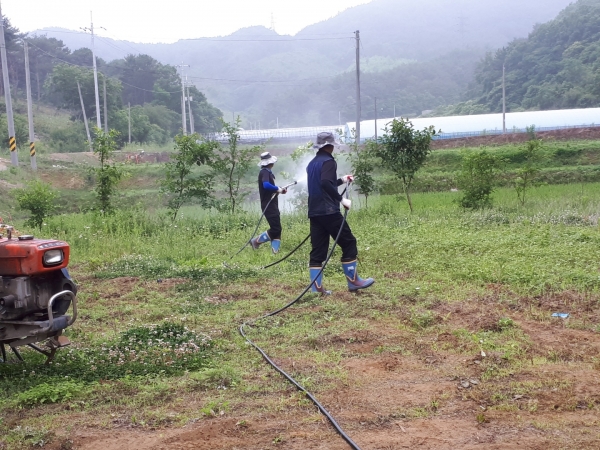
<point x="323" y="196"/>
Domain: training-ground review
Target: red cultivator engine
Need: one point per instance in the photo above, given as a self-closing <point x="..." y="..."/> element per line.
<point x="36" y="292"/>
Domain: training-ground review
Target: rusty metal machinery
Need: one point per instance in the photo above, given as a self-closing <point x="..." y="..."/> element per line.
<point x="36" y="293"/>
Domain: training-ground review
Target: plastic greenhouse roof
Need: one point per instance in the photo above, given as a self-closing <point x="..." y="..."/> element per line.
<point x="476" y="125"/>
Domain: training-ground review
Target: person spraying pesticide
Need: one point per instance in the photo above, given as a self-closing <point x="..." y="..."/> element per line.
<point x="326" y="219"/>
<point x="269" y="204"/>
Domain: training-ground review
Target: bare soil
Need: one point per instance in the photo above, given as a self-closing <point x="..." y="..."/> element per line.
<point x="415" y="398"/>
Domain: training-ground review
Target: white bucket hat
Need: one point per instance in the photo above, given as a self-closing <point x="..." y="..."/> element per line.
<point x="266" y="159"/>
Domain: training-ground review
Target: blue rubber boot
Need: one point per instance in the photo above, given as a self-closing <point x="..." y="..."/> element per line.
<point x="275" y="244"/>
<point x="354" y="281"/>
<point x="317" y="286"/>
<point x="260" y="239"/>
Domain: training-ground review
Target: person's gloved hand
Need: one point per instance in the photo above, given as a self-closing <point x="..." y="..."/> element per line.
<point x="281" y="191"/>
<point x="346" y="203"/>
<point x="348" y="179"/>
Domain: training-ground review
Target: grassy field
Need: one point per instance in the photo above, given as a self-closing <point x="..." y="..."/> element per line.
<point x="455" y="346"/>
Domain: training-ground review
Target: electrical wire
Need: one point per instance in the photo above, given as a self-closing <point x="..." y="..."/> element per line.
<point x="321" y="408"/>
<point x="267" y="40"/>
<point x="88" y="67"/>
<point x="263" y="81"/>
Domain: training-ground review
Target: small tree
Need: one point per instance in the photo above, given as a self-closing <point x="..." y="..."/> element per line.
<point x="477" y="179"/>
<point x="184" y="184"/>
<point x="107" y="175"/>
<point x="37" y="198"/>
<point x="404" y="150"/>
<point x="232" y="164"/>
<point x="363" y="164"/>
<point x="527" y="176"/>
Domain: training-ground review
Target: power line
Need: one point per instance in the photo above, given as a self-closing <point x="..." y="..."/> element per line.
<point x="264" y="81"/>
<point x="114" y="78"/>
<point x="267" y="40"/>
<point x="207" y="38"/>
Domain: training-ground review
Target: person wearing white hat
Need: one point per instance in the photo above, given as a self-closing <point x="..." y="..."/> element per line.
<point x="325" y="218"/>
<point x="268" y="204"/>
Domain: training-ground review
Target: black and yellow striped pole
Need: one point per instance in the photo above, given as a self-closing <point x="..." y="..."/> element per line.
<point x="29" y="109"/>
<point x="12" y="142"/>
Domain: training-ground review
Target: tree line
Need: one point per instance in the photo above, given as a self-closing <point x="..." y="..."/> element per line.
<point x="556" y="67"/>
<point x="152" y="89"/>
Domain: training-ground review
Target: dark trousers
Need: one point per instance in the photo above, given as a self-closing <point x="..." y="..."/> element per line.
<point x="321" y="228"/>
<point x="274" y="220"/>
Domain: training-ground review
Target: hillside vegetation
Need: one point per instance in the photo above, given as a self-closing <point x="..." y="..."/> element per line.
<point x="261" y="75"/>
<point x="556" y="67"/>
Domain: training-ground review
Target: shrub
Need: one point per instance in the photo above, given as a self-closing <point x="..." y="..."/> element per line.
<point x="38" y="198"/>
<point x="69" y="140"/>
<point x="477" y="179"/>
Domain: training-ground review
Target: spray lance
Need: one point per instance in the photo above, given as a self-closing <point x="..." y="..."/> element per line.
<point x="284" y="188"/>
<point x="345" y="193"/>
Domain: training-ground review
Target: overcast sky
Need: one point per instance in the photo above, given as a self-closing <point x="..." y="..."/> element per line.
<point x="170" y="20"/>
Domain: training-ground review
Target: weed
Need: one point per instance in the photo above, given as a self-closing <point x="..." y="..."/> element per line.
<point x="30" y="436"/>
<point x="422" y="319"/>
<point x="505" y="323"/>
<point x="147" y="351"/>
<point x="59" y="391"/>
<point x="216" y="377"/>
<point x="215" y="408"/>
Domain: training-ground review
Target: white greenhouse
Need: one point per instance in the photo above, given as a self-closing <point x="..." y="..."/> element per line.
<point x="485" y="124"/>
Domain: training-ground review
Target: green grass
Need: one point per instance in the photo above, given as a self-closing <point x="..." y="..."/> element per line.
<point x="438" y="256"/>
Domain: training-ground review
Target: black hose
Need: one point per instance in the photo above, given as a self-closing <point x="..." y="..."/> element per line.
<point x="276" y="194"/>
<point x="281" y="371"/>
<point x="289" y="254"/>
<point x="256" y="229"/>
<point x="295" y="249"/>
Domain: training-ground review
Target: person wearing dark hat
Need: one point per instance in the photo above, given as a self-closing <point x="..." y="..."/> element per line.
<point x="325" y="217"/>
<point x="266" y="190"/>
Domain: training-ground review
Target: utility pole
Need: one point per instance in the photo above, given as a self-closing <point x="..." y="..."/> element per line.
<point x="91" y="30"/>
<point x="183" y="118"/>
<point x="340" y="117"/>
<point x="394" y="111"/>
<point x="29" y="109"/>
<point x="375" y="120"/>
<point x="357" y="34"/>
<point x="87" y="127"/>
<point x="129" y="119"/>
<point x="189" y="100"/>
<point x="12" y="141"/>
<point x="503" y="100"/>
<point x="105" y="107"/>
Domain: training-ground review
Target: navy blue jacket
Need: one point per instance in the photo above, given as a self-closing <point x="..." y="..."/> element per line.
<point x="265" y="195"/>
<point x="323" y="196"/>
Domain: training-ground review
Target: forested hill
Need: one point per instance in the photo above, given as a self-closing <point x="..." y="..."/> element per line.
<point x="255" y="71"/>
<point x="557" y="66"/>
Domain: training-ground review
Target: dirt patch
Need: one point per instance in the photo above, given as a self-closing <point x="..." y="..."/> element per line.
<point x="395" y="386"/>
<point x="58" y="180"/>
